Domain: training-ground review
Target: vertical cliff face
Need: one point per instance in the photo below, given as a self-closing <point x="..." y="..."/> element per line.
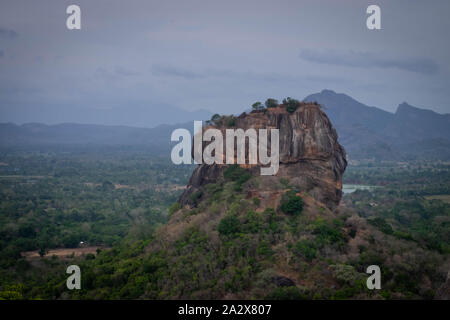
<point x="311" y="158"/>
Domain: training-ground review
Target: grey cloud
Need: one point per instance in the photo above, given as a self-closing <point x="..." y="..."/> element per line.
<point x="217" y="55"/>
<point x="273" y="76"/>
<point x="176" y="71"/>
<point x="370" y="60"/>
<point x="105" y="74"/>
<point x="161" y="70"/>
<point x="125" y="72"/>
<point x="8" y="33"/>
<point x="114" y="73"/>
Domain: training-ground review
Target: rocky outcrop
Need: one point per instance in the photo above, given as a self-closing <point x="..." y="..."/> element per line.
<point x="311" y="158"/>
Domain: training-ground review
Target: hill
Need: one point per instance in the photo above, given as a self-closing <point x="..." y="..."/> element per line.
<point x="236" y="234"/>
<point x="74" y="136"/>
<point x="369" y="132"/>
<point x="132" y="115"/>
<point x="366" y="132"/>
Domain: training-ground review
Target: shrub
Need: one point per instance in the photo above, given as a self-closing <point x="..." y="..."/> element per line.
<point x="218" y="120"/>
<point x="107" y="186"/>
<point x="271" y="103"/>
<point x="237" y="174"/>
<point x="291" y="104"/>
<point x="253" y="222"/>
<point x="382" y="225"/>
<point x="71" y="241"/>
<point x="174" y="208"/>
<point x="306" y="248"/>
<point x="264" y="249"/>
<point x="403" y="235"/>
<point x="43" y="251"/>
<point x="256" y="201"/>
<point x="233" y="172"/>
<point x="229" y="225"/>
<point x="270" y="217"/>
<point x="286" y="293"/>
<point x="10" y="295"/>
<point x="344" y="293"/>
<point x="284" y="183"/>
<point x="345" y="274"/>
<point x="153" y="263"/>
<point x="257" y="106"/>
<point x="215" y="117"/>
<point x="195" y="197"/>
<point x="406" y="282"/>
<point x="327" y="234"/>
<point x="231" y="122"/>
<point x="291" y="203"/>
<point x="90" y="256"/>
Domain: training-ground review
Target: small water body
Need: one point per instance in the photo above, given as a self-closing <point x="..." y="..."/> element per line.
<point x="349" y="188"/>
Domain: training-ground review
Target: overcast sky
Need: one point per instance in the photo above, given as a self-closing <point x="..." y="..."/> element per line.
<point x="222" y="55"/>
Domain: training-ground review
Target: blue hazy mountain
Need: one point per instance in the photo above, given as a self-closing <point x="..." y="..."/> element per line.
<point x="370" y="132"/>
<point x="82" y="137"/>
<point x="136" y="115"/>
<point x="365" y="131"/>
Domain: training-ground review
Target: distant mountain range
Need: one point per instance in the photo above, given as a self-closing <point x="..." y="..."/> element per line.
<point x="370" y="132"/>
<point x="135" y="115"/>
<point x="365" y="132"/>
<point x="87" y="136"/>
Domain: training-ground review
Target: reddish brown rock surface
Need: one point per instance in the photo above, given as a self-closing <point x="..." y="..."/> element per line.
<point x="311" y="158"/>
